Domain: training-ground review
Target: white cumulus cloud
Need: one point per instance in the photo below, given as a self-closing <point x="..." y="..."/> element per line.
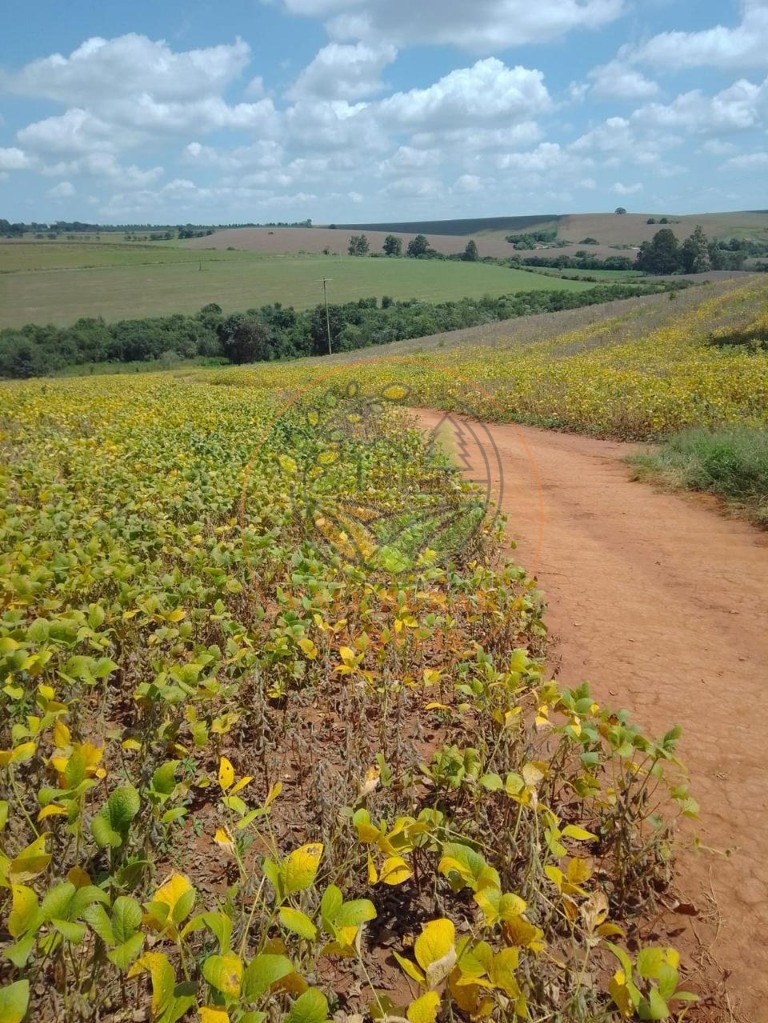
<point x="486" y="93"/>
<point x="730" y="48"/>
<point x="64" y="190"/>
<point x="619" y="81"/>
<point x="343" y="71"/>
<point x="479" y="26"/>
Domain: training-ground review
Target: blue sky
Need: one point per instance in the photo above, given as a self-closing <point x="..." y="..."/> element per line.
<point x="360" y="110"/>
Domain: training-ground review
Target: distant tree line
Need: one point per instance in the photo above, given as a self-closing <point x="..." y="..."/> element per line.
<point x="17" y="230"/>
<point x="417" y="248"/>
<point x="664" y="254"/>
<point x="581" y="260"/>
<point x="275" y="331"/>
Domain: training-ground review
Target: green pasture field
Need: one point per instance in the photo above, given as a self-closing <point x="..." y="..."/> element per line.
<point x="175" y="280"/>
<point x="19" y="256"/>
<point x="605" y="276"/>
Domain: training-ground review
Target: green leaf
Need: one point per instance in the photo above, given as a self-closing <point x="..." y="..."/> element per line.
<point x="311" y="1007"/>
<point x="110" y="825"/>
<point x="85" y="897"/>
<point x="57" y="901"/>
<point x="263" y="971"/>
<point x="97" y="919"/>
<point x="656" y="1009"/>
<point x="297" y="922"/>
<point x="75" y="770"/>
<point x="330" y="905"/>
<point x="164" y="778"/>
<point x="19" y="953"/>
<point x="104" y="834"/>
<point x="182" y="1000"/>
<point x="492" y="782"/>
<point x="73" y="932"/>
<point x="123" y="805"/>
<point x="356" y="912"/>
<point x="126" y="918"/>
<point x="650" y="962"/>
<point x="14" y="1001"/>
<point x="124" y="954"/>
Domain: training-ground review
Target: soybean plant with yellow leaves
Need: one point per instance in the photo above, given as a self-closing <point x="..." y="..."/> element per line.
<point x="240" y="789"/>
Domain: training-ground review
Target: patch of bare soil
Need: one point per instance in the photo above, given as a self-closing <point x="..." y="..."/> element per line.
<point x="317" y="239"/>
<point x="663" y="605"/>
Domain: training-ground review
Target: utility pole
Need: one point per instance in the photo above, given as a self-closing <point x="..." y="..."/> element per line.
<point x="326" y="281"/>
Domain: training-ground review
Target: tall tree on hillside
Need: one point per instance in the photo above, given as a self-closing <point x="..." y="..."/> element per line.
<point x="694" y="254"/>
<point x="470" y="254"/>
<point x="661" y="255"/>
<point x="418" y="246"/>
<point x="393" y="246"/>
<point x="358" y="245"/>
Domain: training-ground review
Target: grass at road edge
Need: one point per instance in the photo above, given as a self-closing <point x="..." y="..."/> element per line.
<point x="730" y="462"/>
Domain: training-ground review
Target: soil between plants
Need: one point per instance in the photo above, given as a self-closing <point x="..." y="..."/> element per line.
<point x="662" y="604"/>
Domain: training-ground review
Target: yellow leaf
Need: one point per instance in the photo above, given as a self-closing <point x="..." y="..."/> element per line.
<point x="371" y="783"/>
<point x="23" y="910"/>
<point x="411" y="969"/>
<point x="157" y="965"/>
<point x="373" y="875"/>
<point x="579" y="870"/>
<point x="395" y="871"/>
<point x="274" y="792"/>
<point x="503" y="971"/>
<point x="78" y="877"/>
<point x="300" y="867"/>
<point x="23" y="753"/>
<point x="31" y="862"/>
<point x="212" y="1014"/>
<point x="226" y="774"/>
<point x="435" y="951"/>
<point x="309" y="648"/>
<point x="224" y="839"/>
<point x="518" y="931"/>
<point x="176" y="616"/>
<point x="347" y="654"/>
<point x="578" y="834"/>
<point x="532" y="775"/>
<point x="92" y="755"/>
<point x="169" y="894"/>
<point x="241" y="784"/>
<point x="424" y="1009"/>
<point x="131" y="744"/>
<point x="52" y="810"/>
<point x="61" y="734"/>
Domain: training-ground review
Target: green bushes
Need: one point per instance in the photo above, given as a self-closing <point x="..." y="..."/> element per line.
<point x="275" y="331"/>
<point x="731" y="462"/>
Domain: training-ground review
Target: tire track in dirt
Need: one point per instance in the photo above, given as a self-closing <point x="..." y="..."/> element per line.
<point x="662" y="604"/>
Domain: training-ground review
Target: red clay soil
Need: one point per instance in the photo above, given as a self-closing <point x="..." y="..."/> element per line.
<point x="662" y="604"/>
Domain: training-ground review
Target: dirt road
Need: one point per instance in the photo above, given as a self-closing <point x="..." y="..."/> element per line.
<point x="662" y="604"/>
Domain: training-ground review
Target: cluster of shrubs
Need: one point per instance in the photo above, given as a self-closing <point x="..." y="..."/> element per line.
<point x="581" y="260"/>
<point x="274" y="331"/>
